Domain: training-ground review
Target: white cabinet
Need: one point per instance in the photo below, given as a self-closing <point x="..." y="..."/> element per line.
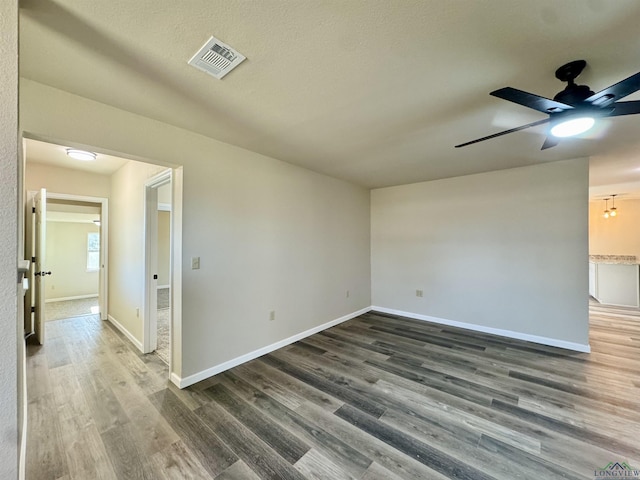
<point x="618" y="284"/>
<point x="615" y="283"/>
<point x="593" y="268"/>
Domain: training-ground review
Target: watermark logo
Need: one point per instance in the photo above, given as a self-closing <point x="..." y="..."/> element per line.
<point x="617" y="470"/>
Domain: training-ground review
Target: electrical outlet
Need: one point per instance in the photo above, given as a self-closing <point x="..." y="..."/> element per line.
<point x="419" y="293"/>
<point x="272" y="315"/>
<point x="195" y="263"/>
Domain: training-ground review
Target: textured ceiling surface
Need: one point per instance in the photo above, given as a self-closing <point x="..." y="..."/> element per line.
<point x="376" y="92"/>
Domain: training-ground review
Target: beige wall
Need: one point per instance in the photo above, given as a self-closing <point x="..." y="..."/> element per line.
<point x="126" y="245"/>
<point x="66" y="246"/>
<point x="164" y="244"/>
<point x="64" y="180"/>
<point x="271" y="236"/>
<point x="11" y="344"/>
<point x="619" y="235"/>
<point x="492" y="250"/>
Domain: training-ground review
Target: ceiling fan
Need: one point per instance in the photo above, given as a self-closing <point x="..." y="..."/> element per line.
<point x="573" y="110"/>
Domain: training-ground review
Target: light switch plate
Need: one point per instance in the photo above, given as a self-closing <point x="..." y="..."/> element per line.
<point x="195" y="263"/>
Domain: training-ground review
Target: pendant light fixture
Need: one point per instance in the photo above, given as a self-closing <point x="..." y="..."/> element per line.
<point x="613" y="212"/>
<point x="606" y="208"/>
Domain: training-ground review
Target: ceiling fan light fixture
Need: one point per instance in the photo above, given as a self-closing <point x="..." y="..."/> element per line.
<point x="573" y="126"/>
<point x="81" y="155"/>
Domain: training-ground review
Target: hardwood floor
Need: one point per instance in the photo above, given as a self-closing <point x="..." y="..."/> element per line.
<point x="378" y="397"/>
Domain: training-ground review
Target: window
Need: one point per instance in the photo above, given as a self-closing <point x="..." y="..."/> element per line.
<point x="93" y="252"/>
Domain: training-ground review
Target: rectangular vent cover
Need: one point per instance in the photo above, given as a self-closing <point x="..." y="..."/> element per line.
<point x="216" y="58"/>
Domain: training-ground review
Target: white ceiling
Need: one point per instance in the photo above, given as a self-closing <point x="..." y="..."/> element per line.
<point x="376" y="92"/>
<point x="56" y="155"/>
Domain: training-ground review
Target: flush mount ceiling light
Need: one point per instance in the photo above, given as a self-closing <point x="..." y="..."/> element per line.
<point x="573" y="126"/>
<point x="81" y="155"/>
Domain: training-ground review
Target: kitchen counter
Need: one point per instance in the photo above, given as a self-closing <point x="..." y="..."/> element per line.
<point x="614" y="259"/>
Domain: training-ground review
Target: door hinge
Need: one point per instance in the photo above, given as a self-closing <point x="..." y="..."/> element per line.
<point x="33" y="209"/>
<point x="33" y="309"/>
<point x="33" y="259"/>
<point x="155" y="277"/>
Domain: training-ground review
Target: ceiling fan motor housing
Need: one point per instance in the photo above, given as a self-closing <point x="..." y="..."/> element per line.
<point x="573" y="94"/>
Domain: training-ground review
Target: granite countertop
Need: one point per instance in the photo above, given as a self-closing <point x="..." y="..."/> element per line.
<point x="616" y="259"/>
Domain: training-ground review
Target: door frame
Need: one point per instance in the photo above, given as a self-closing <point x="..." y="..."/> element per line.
<point x="103" y="283"/>
<point x="150" y="316"/>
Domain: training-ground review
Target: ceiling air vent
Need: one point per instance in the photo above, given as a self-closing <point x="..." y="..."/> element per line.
<point x="216" y="58"/>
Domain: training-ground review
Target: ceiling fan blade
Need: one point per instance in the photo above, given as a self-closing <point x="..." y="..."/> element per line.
<point x="541" y="104"/>
<point x="499" y="134"/>
<point x="615" y="92"/>
<point x="549" y="142"/>
<point x="625" y="108"/>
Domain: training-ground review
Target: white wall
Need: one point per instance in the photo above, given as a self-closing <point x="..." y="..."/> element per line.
<point x="505" y="250"/>
<point x="271" y="236"/>
<point x="126" y="245"/>
<point x="619" y="235"/>
<point x="66" y="248"/>
<point x="10" y="332"/>
<point x="65" y="180"/>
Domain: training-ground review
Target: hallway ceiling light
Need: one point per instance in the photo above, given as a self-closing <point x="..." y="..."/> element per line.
<point x="606" y="208"/>
<point x="97" y="222"/>
<point x="81" y="155"/>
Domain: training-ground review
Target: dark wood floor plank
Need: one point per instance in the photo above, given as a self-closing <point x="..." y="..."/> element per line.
<point x="282" y="441"/>
<point x="536" y="466"/>
<point x="593" y="438"/>
<point x="253" y="451"/>
<point x="325" y="385"/>
<point x="407" y="468"/>
<point x="316" y="466"/>
<point x="207" y="447"/>
<point x="426" y="454"/>
<point x="343" y="454"/>
<point x="451" y="444"/>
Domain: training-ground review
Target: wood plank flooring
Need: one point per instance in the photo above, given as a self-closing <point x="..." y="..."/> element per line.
<point x="378" y="397"/>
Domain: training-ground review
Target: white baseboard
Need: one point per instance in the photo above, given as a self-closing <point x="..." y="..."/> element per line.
<point x="163" y="286"/>
<point x="175" y="379"/>
<point x="552" y="342"/>
<point x="210" y="372"/>
<point x="126" y="333"/>
<point x="76" y="297"/>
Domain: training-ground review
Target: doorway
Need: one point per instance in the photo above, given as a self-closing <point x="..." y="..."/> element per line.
<point x="67" y="240"/>
<point x="158" y="268"/>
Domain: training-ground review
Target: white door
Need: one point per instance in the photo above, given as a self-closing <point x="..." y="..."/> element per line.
<point x="40" y="263"/>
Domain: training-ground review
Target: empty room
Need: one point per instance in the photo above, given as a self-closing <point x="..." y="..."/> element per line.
<point x="295" y="239"/>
